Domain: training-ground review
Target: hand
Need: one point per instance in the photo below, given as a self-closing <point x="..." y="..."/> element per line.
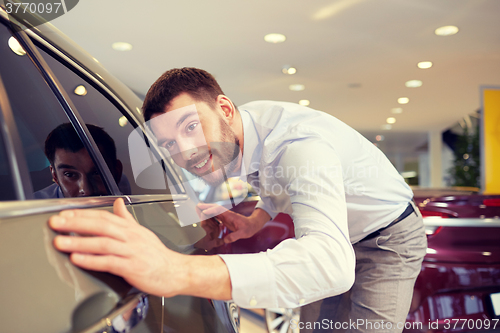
<point x="240" y="225"/>
<point x="211" y="239"/>
<point x="120" y="246"/>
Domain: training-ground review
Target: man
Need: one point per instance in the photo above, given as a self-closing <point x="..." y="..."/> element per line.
<point x="73" y="171"/>
<point x="339" y="189"/>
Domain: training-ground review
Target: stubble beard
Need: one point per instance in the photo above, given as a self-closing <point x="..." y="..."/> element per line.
<point x="226" y="152"/>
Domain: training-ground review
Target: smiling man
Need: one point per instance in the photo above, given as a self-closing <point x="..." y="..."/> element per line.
<point x="209" y="154"/>
<point x="359" y="239"/>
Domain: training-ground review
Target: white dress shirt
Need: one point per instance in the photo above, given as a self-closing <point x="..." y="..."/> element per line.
<point x="335" y="184"/>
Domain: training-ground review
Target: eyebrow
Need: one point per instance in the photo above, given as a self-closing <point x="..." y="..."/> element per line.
<point x="184" y="117"/>
<point x="178" y="124"/>
<point x="65" y="166"/>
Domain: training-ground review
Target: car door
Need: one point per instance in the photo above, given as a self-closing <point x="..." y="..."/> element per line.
<point x="149" y="181"/>
<point x="40" y="289"/>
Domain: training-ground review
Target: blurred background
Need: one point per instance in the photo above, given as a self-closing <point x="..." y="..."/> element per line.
<point x="407" y="74"/>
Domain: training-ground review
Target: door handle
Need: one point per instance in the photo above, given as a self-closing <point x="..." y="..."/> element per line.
<point x="123" y="318"/>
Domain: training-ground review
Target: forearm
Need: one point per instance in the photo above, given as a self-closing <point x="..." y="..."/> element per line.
<point x="208" y="276"/>
<point x="260" y="217"/>
<point x="203" y="276"/>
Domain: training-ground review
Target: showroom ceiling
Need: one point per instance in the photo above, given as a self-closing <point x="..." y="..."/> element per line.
<point x="352" y="56"/>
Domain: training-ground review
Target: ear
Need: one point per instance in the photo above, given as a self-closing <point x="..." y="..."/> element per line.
<point x="54" y="175"/>
<point x="227" y="107"/>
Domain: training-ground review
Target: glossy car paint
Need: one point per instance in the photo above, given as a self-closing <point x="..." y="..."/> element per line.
<point x="36" y="279"/>
<point x="41" y="290"/>
<point x="462" y="266"/>
<point x="271" y="234"/>
<point x="465" y="206"/>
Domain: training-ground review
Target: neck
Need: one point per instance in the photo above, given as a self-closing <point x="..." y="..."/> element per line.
<point x="237" y="127"/>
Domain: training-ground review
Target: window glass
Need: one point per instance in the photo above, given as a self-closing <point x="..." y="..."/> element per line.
<point x="37" y="113"/>
<point x="97" y="110"/>
<point x="6" y="185"/>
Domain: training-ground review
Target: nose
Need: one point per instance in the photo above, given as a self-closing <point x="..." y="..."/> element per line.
<point x="188" y="149"/>
<point x="85" y="187"/>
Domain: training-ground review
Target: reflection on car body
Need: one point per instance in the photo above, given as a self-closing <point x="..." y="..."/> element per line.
<point x="39" y="72"/>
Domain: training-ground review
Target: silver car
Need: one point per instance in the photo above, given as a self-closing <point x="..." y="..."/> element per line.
<point x="65" y="125"/>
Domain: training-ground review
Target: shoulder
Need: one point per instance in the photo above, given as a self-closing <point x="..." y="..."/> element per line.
<point x="52" y="191"/>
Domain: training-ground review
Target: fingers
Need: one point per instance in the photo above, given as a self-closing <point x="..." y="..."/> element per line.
<point x="210" y="225"/>
<point x="121" y="210"/>
<point x="233" y="237"/>
<point x="210" y="210"/>
<point x="203" y="205"/>
<point x="106" y="263"/>
<point x="71" y="221"/>
<point x="95" y="222"/>
<point x="91" y="245"/>
<point x="95" y="214"/>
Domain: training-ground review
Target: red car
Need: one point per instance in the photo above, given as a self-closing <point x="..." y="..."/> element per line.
<point x="458" y="289"/>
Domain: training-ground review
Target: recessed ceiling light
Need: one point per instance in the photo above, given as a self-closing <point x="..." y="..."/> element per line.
<point x="386" y="127"/>
<point x="123" y="121"/>
<point x="297" y="87"/>
<point x="80" y="90"/>
<point x="424" y="64"/>
<point x="409" y="174"/>
<point x="122" y="46"/>
<point x="447" y="30"/>
<point x="391" y="120"/>
<point x="16" y="47"/>
<point x="413" y="83"/>
<point x="379" y="138"/>
<point x="304" y="102"/>
<point x="397" y="110"/>
<point x="274" y="38"/>
<point x="403" y="100"/>
<point x="289" y="70"/>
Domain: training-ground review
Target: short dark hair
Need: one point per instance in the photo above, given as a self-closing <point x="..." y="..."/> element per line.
<point x="199" y="84"/>
<point x="65" y="137"/>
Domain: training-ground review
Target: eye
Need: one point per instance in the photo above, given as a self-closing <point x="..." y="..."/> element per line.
<point x="69" y="174"/>
<point x="169" y="144"/>
<point x="191" y="127"/>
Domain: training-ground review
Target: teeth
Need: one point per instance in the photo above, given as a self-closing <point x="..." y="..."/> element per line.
<point x="202" y="164"/>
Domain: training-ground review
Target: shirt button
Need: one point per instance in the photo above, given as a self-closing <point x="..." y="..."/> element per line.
<point x="302" y="301"/>
<point x="253" y="301"/>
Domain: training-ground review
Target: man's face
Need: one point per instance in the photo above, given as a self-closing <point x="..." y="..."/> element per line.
<point x="76" y="174"/>
<point x="198" y="139"/>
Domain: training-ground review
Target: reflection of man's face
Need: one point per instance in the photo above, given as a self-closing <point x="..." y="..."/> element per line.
<point x="76" y="174"/>
<point x="198" y="139"/>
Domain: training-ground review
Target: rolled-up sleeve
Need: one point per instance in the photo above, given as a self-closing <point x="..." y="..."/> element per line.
<point x="320" y="262"/>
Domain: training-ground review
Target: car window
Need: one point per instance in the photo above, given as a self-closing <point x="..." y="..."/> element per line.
<point x="37" y="114"/>
<point x="6" y="185"/>
<point x="233" y="189"/>
<point x="98" y="110"/>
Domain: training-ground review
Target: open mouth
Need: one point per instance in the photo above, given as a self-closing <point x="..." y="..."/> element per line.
<point x="204" y="165"/>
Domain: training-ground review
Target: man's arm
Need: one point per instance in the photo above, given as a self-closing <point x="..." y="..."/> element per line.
<point x="240" y="225"/>
<point x="320" y="262"/>
<point x="123" y="247"/>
